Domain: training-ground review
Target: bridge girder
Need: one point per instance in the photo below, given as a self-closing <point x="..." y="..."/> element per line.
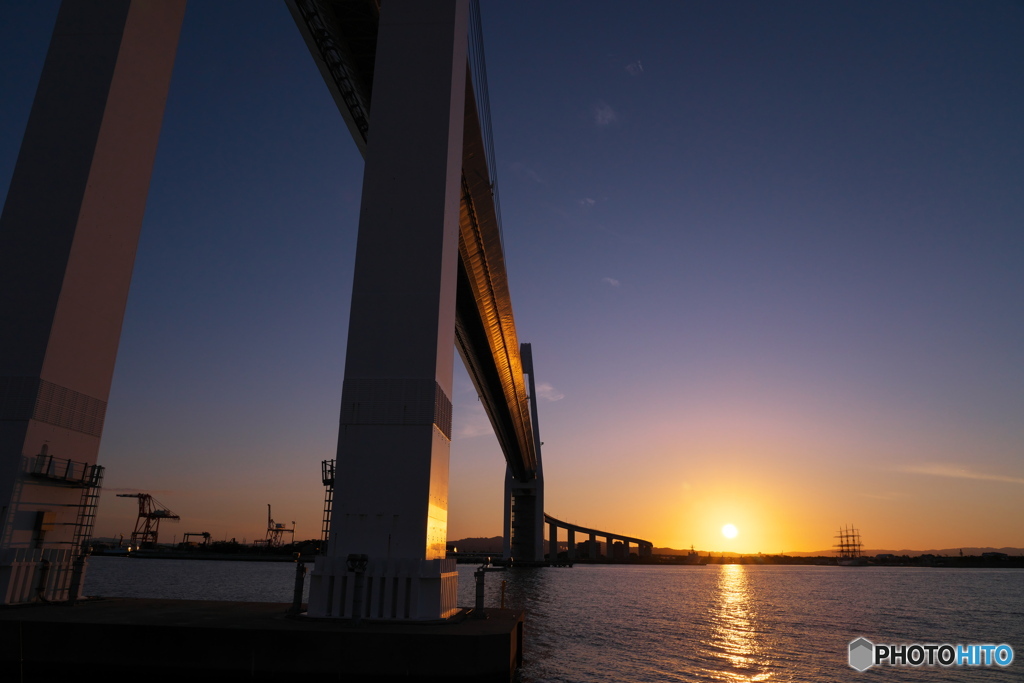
<point x="576" y="528"/>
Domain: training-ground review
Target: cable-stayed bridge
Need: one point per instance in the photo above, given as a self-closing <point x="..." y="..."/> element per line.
<point x="409" y="81"/>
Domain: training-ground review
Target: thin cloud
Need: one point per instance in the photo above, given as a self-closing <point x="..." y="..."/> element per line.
<point x="522" y="169"/>
<point x="635" y="69"/>
<point x="471" y="421"/>
<point x="548" y="392"/>
<point x="604" y="115"/>
<point x="587" y="202"/>
<point x="957" y="472"/>
<point x="880" y="496"/>
<point x="611" y="281"/>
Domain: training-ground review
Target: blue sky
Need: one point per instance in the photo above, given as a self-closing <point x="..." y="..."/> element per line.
<point x="769" y="256"/>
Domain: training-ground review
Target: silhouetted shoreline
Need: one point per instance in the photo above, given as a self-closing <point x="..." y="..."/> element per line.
<point x="994" y="560"/>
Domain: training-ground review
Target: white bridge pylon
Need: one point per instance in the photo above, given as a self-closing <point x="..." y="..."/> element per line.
<point x="429" y="276"/>
<point x="389" y="524"/>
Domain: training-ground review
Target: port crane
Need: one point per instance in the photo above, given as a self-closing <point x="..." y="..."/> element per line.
<point x="276" y="531"/>
<point x="204" y="534"/>
<point x="147" y="526"/>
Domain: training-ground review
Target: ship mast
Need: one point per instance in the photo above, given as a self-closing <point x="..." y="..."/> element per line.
<point x="849" y="545"/>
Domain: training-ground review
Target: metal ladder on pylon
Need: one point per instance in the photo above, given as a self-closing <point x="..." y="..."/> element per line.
<point x="328" y="479"/>
<point x="87" y="510"/>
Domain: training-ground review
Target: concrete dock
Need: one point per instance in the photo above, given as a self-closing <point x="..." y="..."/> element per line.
<point x="194" y="640"/>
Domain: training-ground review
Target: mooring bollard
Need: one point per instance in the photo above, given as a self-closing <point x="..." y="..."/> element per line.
<point x="478" y="611"/>
<point x="77" y="569"/>
<point x="300" y="580"/>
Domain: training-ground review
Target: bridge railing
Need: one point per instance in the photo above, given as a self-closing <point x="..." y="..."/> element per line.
<point x="478" y="71"/>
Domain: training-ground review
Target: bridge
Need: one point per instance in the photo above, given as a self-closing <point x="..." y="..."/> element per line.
<point x="429" y="277"/>
<point x="616" y="545"/>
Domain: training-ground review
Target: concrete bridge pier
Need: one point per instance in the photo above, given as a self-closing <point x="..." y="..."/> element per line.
<point x="386" y="549"/>
<point x="524" y="520"/>
<point x="524" y="500"/>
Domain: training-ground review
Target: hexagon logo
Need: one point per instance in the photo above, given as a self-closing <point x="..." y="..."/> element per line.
<point x="862" y="654"/>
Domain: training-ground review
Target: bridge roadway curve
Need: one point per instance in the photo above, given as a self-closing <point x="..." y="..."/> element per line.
<point x="644" y="548"/>
<point x="342" y="37"/>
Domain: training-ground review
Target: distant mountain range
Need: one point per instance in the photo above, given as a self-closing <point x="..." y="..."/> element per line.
<point x="951" y="552"/>
<point x="494" y="545"/>
<point x="478" y="545"/>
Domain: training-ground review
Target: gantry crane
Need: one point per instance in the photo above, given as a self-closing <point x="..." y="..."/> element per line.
<point x="276" y="532"/>
<point x="204" y="534"/>
<point x="147" y="526"/>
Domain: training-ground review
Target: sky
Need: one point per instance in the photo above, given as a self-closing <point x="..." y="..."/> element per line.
<point x="769" y="257"/>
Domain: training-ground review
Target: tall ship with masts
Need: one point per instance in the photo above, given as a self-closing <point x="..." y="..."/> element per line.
<point x="850" y="548"/>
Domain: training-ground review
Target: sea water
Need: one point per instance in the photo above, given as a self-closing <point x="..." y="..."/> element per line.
<point x="681" y="623"/>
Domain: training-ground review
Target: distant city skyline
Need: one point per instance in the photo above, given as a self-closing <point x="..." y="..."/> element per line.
<point x="768" y="257"/>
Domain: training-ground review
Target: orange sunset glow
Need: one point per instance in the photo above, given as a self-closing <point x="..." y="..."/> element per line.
<point x="784" y="321"/>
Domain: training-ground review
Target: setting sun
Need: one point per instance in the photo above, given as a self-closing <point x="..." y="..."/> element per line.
<point x="730" y="531"/>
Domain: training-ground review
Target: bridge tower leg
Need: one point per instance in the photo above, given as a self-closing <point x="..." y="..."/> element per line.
<point x="391" y="488"/>
<point x="524" y="500"/>
<point x="68" y="236"/>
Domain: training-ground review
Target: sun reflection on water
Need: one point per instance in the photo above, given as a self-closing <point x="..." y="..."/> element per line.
<point x="734" y="632"/>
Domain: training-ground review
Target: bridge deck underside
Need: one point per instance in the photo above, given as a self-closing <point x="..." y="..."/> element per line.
<point x="342" y="37"/>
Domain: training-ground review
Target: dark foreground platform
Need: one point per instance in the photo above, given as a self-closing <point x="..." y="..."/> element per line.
<point x="197" y="641"/>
